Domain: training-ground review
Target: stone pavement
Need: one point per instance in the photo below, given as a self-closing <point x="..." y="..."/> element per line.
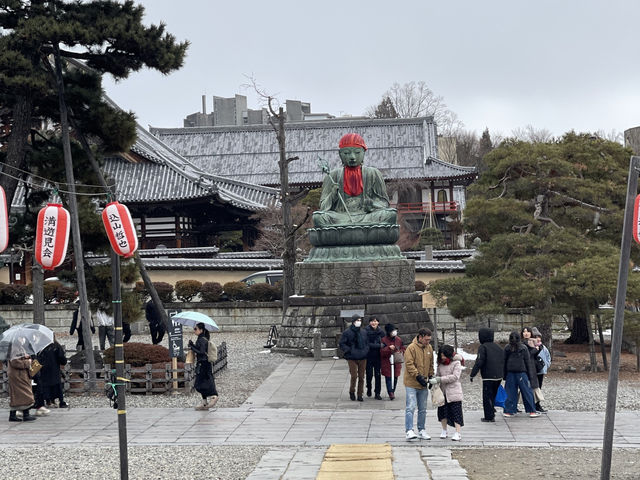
<point x="302" y="409"/>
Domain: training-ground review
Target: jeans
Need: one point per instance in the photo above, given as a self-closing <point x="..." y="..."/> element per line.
<point x="391" y="384"/>
<point x="515" y="381"/>
<point x="489" y="390"/>
<point x="105" y="332"/>
<point x="373" y="370"/>
<point x="415" y="398"/>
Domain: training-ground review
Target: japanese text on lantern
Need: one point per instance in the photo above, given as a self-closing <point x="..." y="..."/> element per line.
<point x="118" y="230"/>
<point x="48" y="235"/>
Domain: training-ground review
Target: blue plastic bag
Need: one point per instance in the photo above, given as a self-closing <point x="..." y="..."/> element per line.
<point x="501" y="396"/>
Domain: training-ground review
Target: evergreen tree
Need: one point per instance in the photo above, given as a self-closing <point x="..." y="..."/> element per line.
<point x="385" y="109"/>
<point x="550" y="219"/>
<point x="485" y="147"/>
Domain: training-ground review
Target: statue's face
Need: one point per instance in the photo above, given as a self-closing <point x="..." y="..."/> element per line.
<point x="352" y="156"/>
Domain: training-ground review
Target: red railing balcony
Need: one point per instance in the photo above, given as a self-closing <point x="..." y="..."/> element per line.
<point x="436" y="207"/>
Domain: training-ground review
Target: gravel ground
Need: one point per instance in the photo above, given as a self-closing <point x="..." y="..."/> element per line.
<point x="145" y="463"/>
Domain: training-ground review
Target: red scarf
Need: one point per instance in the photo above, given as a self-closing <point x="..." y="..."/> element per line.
<point x="353" y="181"/>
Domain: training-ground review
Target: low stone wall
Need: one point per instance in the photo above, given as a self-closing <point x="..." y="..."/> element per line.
<point x="230" y="316"/>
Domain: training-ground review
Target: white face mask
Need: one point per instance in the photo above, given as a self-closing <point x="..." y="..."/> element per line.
<point x="394" y="333"/>
<point x="357" y="323"/>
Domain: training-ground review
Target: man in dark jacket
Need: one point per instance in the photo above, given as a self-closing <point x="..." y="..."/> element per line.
<point x="354" y="343"/>
<point x="77" y="326"/>
<point x="374" y="335"/>
<point x="490" y="363"/>
<point x="156" y="327"/>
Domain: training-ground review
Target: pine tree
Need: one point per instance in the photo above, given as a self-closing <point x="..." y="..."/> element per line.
<point x="386" y="109"/>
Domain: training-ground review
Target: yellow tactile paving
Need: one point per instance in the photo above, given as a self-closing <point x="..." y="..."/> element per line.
<point x="357" y="462"/>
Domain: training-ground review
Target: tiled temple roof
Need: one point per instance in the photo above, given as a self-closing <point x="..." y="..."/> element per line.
<point x="399" y="148"/>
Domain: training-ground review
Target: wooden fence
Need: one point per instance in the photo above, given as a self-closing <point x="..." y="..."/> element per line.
<point x="146" y="380"/>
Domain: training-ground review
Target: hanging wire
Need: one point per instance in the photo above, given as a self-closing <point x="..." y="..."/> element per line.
<point x="56" y="188"/>
<point x="46" y="179"/>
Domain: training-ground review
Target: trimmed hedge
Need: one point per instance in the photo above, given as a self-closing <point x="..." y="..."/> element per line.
<point x="14" y="294"/>
<point x="236" y="290"/>
<point x="139" y="354"/>
<point x="187" y="289"/>
<point x="211" y="292"/>
<point x="164" y="289"/>
<point x="420" y="286"/>
<point x="263" y="292"/>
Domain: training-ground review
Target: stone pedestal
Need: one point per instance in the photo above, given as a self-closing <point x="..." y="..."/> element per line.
<point x="385" y="289"/>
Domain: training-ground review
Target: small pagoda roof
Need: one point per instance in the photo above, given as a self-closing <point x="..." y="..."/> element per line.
<point x="399" y="148"/>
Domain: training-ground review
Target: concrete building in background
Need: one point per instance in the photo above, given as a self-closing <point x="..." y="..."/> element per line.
<point x="233" y="111"/>
<point x="632" y="139"/>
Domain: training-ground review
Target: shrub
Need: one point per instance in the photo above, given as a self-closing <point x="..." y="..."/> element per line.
<point x="235" y="290"/>
<point x="187" y="289"/>
<point x="420" y="286"/>
<point x="14" y="294"/>
<point x="262" y="292"/>
<point x="65" y="294"/>
<point x="50" y="291"/>
<point x="164" y="289"/>
<point x="139" y="354"/>
<point x="210" y="291"/>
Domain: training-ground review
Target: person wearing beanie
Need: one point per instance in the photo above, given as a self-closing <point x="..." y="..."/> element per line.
<point x="355" y="345"/>
<point x="374" y="335"/>
<point x="354" y="193"/>
<point x="490" y="364"/>
<point x="391" y="343"/>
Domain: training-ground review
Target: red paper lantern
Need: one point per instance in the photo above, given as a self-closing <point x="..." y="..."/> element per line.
<point x="4" y="221"/>
<point x="52" y="236"/>
<point x="120" y="229"/>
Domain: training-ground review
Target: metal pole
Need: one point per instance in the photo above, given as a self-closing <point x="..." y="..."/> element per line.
<point x="618" y="321"/>
<point x="119" y="359"/>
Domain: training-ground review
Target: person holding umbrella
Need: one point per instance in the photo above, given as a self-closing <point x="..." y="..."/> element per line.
<point x="391" y="370"/>
<point x="20" y="392"/>
<point x="204" y="384"/>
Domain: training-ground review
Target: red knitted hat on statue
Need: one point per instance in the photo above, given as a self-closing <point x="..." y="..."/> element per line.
<point x="352" y="140"/>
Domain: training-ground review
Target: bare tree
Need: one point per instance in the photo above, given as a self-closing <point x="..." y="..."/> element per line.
<point x="271" y="233"/>
<point x="532" y="134"/>
<point x="416" y="99"/>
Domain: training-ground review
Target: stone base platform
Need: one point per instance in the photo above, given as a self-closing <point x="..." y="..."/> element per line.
<point x="355" y="278"/>
<point x="310" y="314"/>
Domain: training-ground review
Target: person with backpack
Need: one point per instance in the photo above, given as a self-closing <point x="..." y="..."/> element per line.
<point x="490" y="364"/>
<point x="204" y="384"/>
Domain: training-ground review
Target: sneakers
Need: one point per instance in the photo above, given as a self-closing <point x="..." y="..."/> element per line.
<point x="378" y="397"/>
<point x="411" y="435"/>
<point x="352" y="396"/>
<point x="508" y="415"/>
<point x="424" y="435"/>
<point x="443" y="435"/>
<point x="368" y="391"/>
<point x="212" y="401"/>
<point x="42" y="411"/>
<point x="392" y="395"/>
<point x="456" y="437"/>
<point x="202" y="407"/>
<point x="487" y="419"/>
<point x="360" y="399"/>
<point x="541" y="410"/>
<point x="64" y="405"/>
<point x="533" y="414"/>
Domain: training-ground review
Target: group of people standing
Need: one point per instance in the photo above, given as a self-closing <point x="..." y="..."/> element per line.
<point x="523" y="363"/>
<point x="370" y="351"/>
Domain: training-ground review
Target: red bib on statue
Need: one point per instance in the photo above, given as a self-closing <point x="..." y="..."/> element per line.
<point x="353" y="181"/>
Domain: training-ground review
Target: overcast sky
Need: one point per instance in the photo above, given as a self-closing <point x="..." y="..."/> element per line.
<point x="554" y="64"/>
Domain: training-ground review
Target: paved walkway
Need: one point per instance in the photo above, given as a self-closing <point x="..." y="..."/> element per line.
<point x="302" y="409"/>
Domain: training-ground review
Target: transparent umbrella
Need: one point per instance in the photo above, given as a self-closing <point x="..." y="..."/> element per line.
<point x="24" y="339"/>
<point x="190" y="319"/>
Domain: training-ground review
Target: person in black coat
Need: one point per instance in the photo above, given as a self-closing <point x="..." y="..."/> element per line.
<point x="156" y="326"/>
<point x="355" y="345"/>
<point x="52" y="358"/>
<point x="204" y="384"/>
<point x="374" y="336"/>
<point x="77" y="326"/>
<point x="490" y="364"/>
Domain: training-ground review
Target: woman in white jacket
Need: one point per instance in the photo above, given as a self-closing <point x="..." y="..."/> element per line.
<point x="449" y="371"/>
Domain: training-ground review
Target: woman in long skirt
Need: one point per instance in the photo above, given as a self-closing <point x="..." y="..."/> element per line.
<point x="205" y="384"/>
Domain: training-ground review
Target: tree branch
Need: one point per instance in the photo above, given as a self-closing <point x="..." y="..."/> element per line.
<point x="297" y="196"/>
<point x="580" y="202"/>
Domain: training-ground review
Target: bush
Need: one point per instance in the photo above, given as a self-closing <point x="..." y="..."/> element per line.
<point x="420" y="286"/>
<point x="187" y="289"/>
<point x="50" y="291"/>
<point x="210" y="292"/>
<point x="14" y="294"/>
<point x="235" y="290"/>
<point x="139" y="354"/>
<point x="164" y="289"/>
<point x="65" y="294"/>
<point x="262" y="292"/>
